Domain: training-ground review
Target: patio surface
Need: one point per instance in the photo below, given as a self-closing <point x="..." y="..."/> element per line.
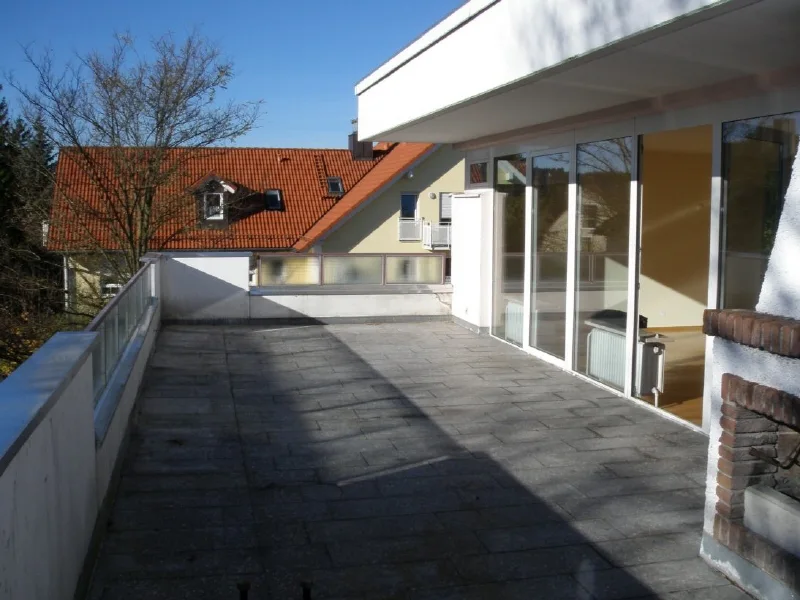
<point x="396" y="461"/>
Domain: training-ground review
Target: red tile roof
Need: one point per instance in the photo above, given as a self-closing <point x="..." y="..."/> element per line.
<point x="300" y="174"/>
<point x="397" y="161"/>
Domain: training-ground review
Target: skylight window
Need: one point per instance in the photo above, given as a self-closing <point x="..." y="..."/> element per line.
<point x="274" y="200"/>
<point x="335" y="186"/>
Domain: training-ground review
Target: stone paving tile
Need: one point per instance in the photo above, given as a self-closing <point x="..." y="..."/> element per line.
<point x="661" y="577"/>
<point x="396" y="461"/>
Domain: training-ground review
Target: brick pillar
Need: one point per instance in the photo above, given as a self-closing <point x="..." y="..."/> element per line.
<point x="742" y="430"/>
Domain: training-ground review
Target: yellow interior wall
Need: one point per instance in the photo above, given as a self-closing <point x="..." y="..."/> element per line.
<point x="676" y="224"/>
<point x="374" y="227"/>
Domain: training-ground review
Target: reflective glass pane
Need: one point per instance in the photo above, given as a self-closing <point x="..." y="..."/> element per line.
<point x="509" y="247"/>
<point x="758" y="156"/>
<point x="549" y="228"/>
<point x="408" y="206"/>
<point x="478" y="173"/>
<point x="601" y="303"/>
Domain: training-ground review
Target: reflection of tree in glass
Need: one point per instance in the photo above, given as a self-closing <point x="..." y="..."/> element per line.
<point x="552" y="215"/>
<point x="759" y="156"/>
<point x="604" y="177"/>
<point x="510" y="181"/>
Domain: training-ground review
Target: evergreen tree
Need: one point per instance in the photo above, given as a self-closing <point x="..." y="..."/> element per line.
<point x="30" y="287"/>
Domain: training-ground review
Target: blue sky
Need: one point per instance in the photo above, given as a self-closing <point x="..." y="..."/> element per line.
<point x="302" y="57"/>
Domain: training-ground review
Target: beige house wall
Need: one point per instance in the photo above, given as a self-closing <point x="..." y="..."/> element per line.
<point x="87" y="277"/>
<point x="373" y="229"/>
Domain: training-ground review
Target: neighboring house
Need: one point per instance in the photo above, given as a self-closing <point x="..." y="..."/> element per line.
<point x="675" y="126"/>
<point x="277" y="202"/>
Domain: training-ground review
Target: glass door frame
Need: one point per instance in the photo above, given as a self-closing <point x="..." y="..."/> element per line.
<point x="634" y="264"/>
<point x="572" y="205"/>
<point x="714" y="114"/>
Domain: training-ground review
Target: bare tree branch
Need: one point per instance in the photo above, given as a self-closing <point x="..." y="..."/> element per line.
<point x="130" y="123"/>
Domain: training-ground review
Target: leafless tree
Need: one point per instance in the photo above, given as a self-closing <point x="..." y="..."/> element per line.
<point x="130" y="123"/>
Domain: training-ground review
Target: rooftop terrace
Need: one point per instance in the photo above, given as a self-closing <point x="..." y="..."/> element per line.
<point x="396" y="461"/>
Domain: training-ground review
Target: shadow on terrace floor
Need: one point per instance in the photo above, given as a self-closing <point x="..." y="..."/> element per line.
<point x="396" y="461"/>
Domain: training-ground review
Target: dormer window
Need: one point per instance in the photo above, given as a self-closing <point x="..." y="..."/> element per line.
<point x="274" y="200"/>
<point x="335" y="186"/>
<point x="213" y="207"/>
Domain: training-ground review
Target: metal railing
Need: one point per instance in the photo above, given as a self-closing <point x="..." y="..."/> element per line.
<point x="409" y="230"/>
<point x="116" y="323"/>
<point x="435" y="235"/>
<point x="287" y="270"/>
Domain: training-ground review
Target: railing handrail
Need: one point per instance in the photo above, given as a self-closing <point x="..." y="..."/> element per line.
<point x="99" y="317"/>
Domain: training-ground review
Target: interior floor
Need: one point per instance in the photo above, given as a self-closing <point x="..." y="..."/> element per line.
<point x="684" y="374"/>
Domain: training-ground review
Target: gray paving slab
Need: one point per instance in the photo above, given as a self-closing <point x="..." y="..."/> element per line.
<point x="414" y="461"/>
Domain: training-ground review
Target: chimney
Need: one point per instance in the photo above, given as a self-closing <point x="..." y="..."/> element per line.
<point x="358" y="150"/>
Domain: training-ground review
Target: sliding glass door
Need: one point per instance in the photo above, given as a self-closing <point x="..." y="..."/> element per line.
<point x="549" y="237"/>
<point x="510" y="174"/>
<point x="604" y="173"/>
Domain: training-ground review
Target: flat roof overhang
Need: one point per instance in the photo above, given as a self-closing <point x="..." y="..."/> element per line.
<point x="500" y="66"/>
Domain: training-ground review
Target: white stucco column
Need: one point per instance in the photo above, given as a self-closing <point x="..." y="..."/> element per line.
<point x="471" y="251"/>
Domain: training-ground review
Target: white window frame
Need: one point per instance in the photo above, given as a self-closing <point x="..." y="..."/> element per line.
<point x="450" y="220"/>
<point x="218" y="216"/>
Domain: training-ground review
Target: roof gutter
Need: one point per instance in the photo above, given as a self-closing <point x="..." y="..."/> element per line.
<point x="452" y="22"/>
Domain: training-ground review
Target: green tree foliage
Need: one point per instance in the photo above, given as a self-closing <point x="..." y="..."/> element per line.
<point x="30" y="301"/>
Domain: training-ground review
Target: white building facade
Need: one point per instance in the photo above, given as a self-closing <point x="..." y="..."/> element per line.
<point x="628" y="166"/>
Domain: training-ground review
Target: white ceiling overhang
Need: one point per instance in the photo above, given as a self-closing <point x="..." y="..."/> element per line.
<point x="504" y="65"/>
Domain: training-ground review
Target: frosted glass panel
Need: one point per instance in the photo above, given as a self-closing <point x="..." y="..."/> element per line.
<point x="289" y="270"/>
<point x="352" y="269"/>
<point x="414" y="269"/>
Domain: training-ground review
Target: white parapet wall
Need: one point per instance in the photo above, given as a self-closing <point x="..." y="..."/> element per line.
<point x="434" y="302"/>
<point x="48" y="496"/>
<point x="58" y="453"/>
<point x="206" y="286"/>
<point x="215" y="287"/>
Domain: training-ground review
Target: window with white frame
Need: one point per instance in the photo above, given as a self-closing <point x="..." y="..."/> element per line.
<point x="408" y="206"/>
<point x="445" y="207"/>
<point x="213" y="207"/>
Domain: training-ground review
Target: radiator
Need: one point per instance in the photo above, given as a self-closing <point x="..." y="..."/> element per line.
<point x="606" y="362"/>
<point x="514" y="319"/>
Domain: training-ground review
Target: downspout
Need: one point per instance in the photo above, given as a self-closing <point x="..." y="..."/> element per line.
<point x="66" y="283"/>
